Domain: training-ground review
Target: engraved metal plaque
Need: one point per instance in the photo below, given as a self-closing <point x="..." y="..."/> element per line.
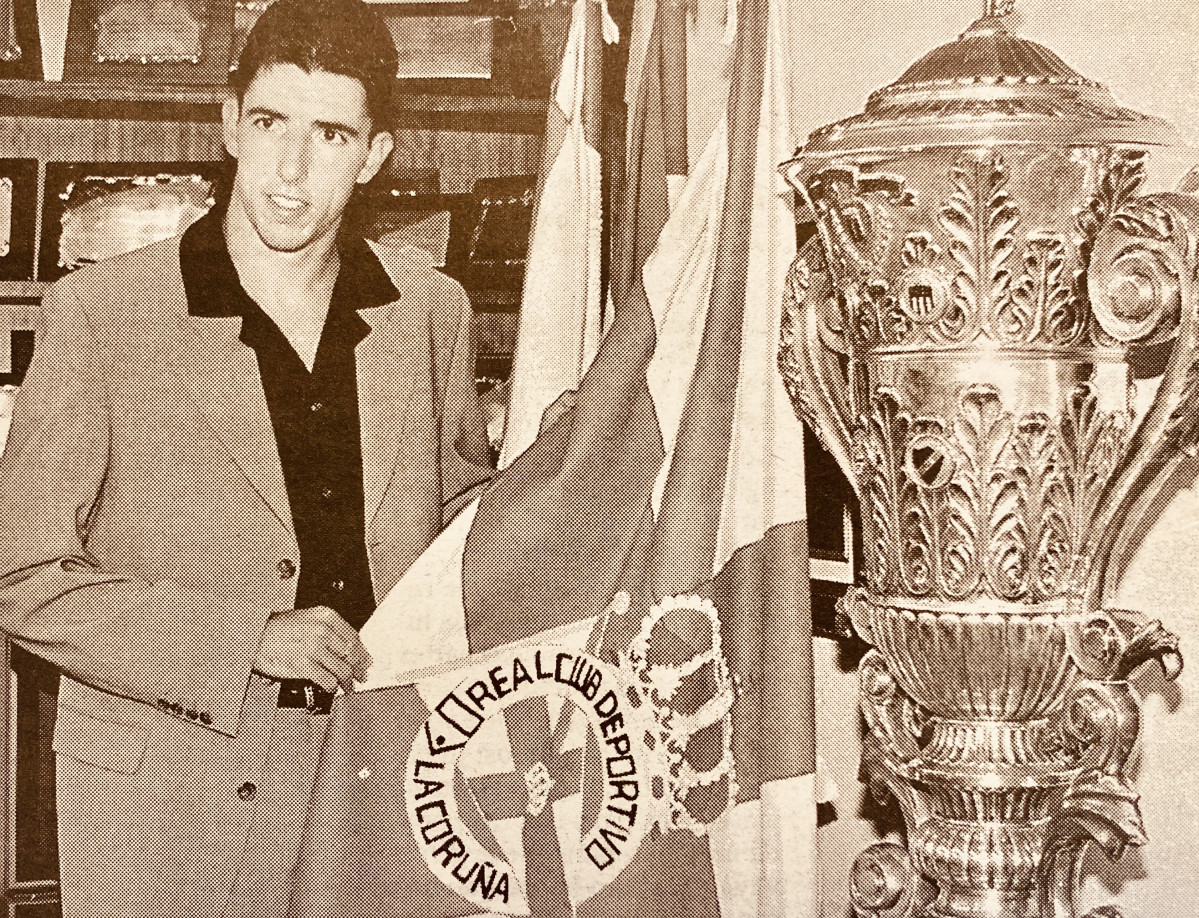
<point x="149" y="32"/>
<point x="10" y="47"/>
<point x="109" y="215"/>
<point x="438" y="47"/>
<point x="5" y="216"/>
<point x="245" y="14"/>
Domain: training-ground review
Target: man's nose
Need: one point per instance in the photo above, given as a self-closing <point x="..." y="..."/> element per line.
<point x="293" y="158"/>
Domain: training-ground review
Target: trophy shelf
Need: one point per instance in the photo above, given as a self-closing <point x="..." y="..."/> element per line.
<point x="447" y="111"/>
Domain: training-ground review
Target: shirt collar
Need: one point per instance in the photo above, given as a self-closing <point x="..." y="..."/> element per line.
<point x="214" y="289"/>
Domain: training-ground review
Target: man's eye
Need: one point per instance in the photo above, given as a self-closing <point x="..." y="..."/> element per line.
<point x="267" y="123"/>
<point x="331" y="136"/>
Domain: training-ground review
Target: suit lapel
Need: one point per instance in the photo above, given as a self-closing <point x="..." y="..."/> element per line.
<point x="384" y="393"/>
<point x="222" y="375"/>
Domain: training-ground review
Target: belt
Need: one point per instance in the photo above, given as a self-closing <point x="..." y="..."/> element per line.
<point x="302" y="693"/>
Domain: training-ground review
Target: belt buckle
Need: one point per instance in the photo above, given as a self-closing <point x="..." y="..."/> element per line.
<point x="317" y="700"/>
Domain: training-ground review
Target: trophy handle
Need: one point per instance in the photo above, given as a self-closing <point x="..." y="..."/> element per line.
<point x="1144" y="291"/>
<point x="816" y="355"/>
<point x="814" y="359"/>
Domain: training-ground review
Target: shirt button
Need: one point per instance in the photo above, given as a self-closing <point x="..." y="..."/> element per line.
<point x="327" y="493"/>
<point x="318" y="406"/>
<point x="338" y="585"/>
<point x="286" y="568"/>
<point x="247" y="791"/>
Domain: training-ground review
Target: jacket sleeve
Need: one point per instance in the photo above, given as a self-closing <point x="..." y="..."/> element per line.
<point x="465" y="450"/>
<point x="184" y="651"/>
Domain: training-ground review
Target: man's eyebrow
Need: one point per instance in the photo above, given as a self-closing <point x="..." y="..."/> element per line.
<point x="269" y="112"/>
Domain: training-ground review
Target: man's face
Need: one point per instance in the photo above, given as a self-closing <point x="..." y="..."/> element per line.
<point x="302" y="141"/>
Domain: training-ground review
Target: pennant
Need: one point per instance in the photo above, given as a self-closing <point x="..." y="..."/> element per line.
<point x="519" y="781"/>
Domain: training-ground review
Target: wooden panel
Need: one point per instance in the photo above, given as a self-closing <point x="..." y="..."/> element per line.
<point x="464" y="156"/>
<point x="101" y="140"/>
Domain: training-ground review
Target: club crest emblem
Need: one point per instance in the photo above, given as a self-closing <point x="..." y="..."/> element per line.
<point x="531" y="784"/>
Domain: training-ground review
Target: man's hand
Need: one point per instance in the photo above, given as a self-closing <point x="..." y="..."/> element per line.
<point x="316" y="644"/>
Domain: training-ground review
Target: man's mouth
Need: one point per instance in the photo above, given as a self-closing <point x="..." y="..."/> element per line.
<point x="286" y="202"/>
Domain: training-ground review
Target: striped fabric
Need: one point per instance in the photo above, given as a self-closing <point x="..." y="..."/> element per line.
<point x="561" y="302"/>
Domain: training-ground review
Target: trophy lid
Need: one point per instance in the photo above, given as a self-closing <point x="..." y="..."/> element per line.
<point x="989" y="87"/>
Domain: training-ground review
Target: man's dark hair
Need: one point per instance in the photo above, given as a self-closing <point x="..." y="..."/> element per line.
<point x="346" y="37"/>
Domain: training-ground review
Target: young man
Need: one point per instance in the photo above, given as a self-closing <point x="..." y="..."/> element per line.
<point x="228" y="447"/>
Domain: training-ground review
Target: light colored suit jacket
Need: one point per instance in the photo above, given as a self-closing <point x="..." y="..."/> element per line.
<point x="145" y="533"/>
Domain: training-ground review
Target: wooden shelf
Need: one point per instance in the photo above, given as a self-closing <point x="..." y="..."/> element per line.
<point x="202" y="103"/>
<point x="110" y="100"/>
<point x="29" y="289"/>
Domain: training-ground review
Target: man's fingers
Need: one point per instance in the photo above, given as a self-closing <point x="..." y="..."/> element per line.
<point x="345" y="642"/>
<point x="335" y="623"/>
<point x="332" y="671"/>
<point x="362" y="668"/>
<point x="316" y="644"/>
<point x="353" y="653"/>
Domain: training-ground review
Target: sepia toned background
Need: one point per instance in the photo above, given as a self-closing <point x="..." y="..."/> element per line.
<point x="1147" y="51"/>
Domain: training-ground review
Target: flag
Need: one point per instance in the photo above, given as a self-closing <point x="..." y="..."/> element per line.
<point x="656" y="139"/>
<point x="581" y="491"/>
<point x="561" y="302"/>
<point x="664" y="501"/>
<point x="730" y="528"/>
<point x="453" y="770"/>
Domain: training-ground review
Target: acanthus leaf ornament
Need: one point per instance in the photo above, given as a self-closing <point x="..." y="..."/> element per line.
<point x="981" y="218"/>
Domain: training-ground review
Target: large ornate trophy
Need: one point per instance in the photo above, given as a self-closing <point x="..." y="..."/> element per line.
<point x="975" y="336"/>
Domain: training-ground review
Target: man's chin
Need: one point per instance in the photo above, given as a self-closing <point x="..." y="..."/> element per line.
<point x="285" y="236"/>
<point x="286" y="240"/>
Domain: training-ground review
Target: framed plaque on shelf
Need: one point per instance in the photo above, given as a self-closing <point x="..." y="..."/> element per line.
<point x="179" y="42"/>
<point x="18" y="217"/>
<point x="20" y="43"/>
<point x="442" y="47"/>
<point x="499" y="236"/>
<point x="245" y="14"/>
<point x="94" y="211"/>
<point x="436" y="224"/>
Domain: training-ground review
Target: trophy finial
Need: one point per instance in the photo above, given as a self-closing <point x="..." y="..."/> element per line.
<point x="993" y="9"/>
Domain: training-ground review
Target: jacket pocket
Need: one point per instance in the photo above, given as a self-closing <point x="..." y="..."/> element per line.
<point x="114" y="745"/>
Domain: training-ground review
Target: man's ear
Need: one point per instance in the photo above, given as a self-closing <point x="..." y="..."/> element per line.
<point x="230" y="115"/>
<point x="381" y="146"/>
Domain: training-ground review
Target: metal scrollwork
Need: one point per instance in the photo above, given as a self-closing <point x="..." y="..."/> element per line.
<point x="1100" y="723"/>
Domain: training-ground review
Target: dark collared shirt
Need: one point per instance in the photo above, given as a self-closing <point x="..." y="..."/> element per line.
<point x="314" y="414"/>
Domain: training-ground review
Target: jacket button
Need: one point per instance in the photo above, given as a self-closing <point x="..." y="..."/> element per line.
<point x="286" y="568"/>
<point x="247" y="791"/>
